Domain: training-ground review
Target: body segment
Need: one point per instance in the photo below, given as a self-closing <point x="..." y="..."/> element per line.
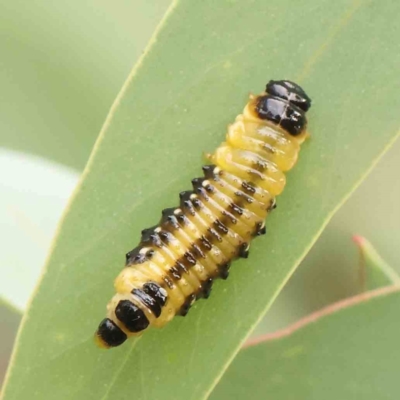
<point x="177" y="260"/>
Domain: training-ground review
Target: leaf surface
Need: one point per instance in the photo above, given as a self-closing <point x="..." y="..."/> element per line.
<point x="374" y="271"/>
<point x="347" y="351"/>
<point x="62" y="64"/>
<point x="192" y="81"/>
<point x="10" y="318"/>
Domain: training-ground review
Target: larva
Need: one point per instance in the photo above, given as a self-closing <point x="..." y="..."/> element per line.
<point x="193" y="244"/>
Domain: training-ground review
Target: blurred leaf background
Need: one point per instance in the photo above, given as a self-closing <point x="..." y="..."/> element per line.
<point x="62" y="65"/>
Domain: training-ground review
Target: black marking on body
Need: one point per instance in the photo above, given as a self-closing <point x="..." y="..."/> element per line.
<point x="260" y="165"/>
<point x="169" y="282"/>
<point x="131" y="316"/>
<point x="158" y="293"/>
<point x="213" y="234"/>
<point x="224" y="270"/>
<point x="198" y="185"/>
<point x="190" y="258"/>
<point x="110" y="333"/>
<point x="241" y="195"/>
<point x="202" y="192"/>
<point x="182" y="218"/>
<point x="236" y="209"/>
<point x="244" y="250"/>
<point x="136" y="257"/>
<point x="209" y="172"/>
<point x="176" y="272"/>
<point x="150" y="237"/>
<point x="209" y="188"/>
<point x="148" y="301"/>
<point x="166" y="237"/>
<point x="206" y="287"/>
<point x="197" y="204"/>
<point x="228" y="218"/>
<point x="248" y="187"/>
<point x="220" y="227"/>
<point x="272" y="205"/>
<point x="196" y="248"/>
<point x="206" y="243"/>
<point x="187" y="305"/>
<point x="186" y="203"/>
<point x="181" y="267"/>
<point x="260" y="229"/>
<point x="168" y="219"/>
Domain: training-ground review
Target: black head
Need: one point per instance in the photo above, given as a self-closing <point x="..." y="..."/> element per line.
<point x="281" y="112"/>
<point x="289" y="91"/>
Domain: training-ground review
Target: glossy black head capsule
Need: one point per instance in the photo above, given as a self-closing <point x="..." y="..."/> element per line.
<point x="289" y="91"/>
<point x="109" y="334"/>
<point x="281" y="112"/>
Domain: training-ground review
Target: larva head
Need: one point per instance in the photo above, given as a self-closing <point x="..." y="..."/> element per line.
<point x="282" y="113"/>
<point x="289" y="91"/>
<point x="285" y="104"/>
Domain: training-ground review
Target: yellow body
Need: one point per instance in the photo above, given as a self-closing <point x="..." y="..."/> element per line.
<point x="255" y="151"/>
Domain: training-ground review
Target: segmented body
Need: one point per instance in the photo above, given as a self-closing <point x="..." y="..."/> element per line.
<point x="193" y="244"/>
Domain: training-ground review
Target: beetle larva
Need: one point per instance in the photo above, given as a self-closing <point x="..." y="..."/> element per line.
<point x="193" y="244"/>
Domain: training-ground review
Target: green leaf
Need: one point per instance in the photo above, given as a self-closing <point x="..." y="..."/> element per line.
<point x="192" y="81"/>
<point x="347" y="351"/>
<point x="62" y="64"/>
<point x="329" y="272"/>
<point x="10" y="318"/>
<point x="32" y="199"/>
<point x="300" y="298"/>
<point x="374" y="271"/>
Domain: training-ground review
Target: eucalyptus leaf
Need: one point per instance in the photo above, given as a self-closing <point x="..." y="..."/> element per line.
<point x="10" y="318"/>
<point x="62" y="64"/>
<point x="374" y="270"/>
<point x="343" y="353"/>
<point x="191" y="82"/>
<point x="361" y="271"/>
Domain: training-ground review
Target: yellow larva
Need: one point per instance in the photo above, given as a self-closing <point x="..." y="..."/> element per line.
<point x="177" y="260"/>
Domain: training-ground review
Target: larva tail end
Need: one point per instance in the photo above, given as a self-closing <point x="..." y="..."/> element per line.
<point x="109" y="334"/>
<point x="100" y="343"/>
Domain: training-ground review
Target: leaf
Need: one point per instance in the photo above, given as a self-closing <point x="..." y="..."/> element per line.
<point x="329" y="272"/>
<point x="32" y="199"/>
<point x="193" y="80"/>
<point x="315" y="281"/>
<point x="342" y="352"/>
<point x="9" y="321"/>
<point x="62" y="65"/>
<point x="374" y="271"/>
